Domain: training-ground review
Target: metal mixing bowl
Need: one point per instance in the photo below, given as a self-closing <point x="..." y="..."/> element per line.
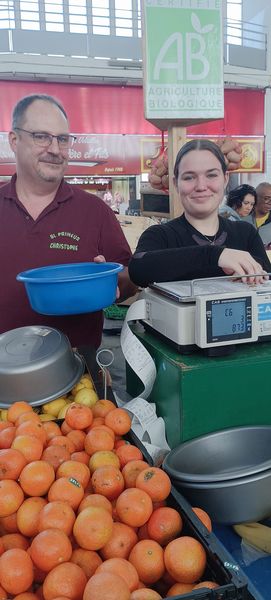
<point x="227" y="473"/>
<point x="37" y="364"/>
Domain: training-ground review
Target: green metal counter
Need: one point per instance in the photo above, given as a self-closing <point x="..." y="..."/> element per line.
<point x="196" y="394"/>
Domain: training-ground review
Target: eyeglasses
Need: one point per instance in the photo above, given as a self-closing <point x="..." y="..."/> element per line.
<point x="45" y="139"/>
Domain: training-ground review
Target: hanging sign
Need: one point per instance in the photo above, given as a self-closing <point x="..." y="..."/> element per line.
<point x="182" y="61"/>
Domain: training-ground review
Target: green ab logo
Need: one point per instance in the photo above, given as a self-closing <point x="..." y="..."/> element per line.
<point x="189" y="49"/>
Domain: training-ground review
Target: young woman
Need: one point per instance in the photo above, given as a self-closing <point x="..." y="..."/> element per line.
<point x="242" y="200"/>
<point x="200" y="243"/>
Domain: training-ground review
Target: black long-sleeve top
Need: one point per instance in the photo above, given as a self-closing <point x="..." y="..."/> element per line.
<point x="177" y="251"/>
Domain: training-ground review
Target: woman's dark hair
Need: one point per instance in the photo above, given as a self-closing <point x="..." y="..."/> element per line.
<point x="235" y="197"/>
<point x="201" y="144"/>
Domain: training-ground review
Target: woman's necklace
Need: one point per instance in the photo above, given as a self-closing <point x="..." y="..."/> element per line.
<point x="218" y="240"/>
<point x="211" y="241"/>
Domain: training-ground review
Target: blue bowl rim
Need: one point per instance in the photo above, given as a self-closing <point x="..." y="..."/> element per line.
<point x="29" y="275"/>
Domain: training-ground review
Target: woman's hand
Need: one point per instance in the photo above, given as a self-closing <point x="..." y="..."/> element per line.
<point x="239" y="262"/>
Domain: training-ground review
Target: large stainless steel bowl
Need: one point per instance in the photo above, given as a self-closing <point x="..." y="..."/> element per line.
<point x="227" y="473"/>
<point x="37" y="364"/>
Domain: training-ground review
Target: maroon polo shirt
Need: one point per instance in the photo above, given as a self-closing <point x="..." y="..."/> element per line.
<point x="75" y="227"/>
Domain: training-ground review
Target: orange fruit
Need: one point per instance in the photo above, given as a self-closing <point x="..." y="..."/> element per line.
<point x="55" y="455"/>
<point x="16" y="571"/>
<point x="80" y="456"/>
<point x="107" y="481"/>
<point x="5" y="425"/>
<point x="102" y="407"/>
<point x="147" y="556"/>
<point x="32" y="428"/>
<point x="79" y="416"/>
<point x="131" y="470"/>
<point x="123" y="568"/>
<point x="11" y="463"/>
<point x="127" y="453"/>
<point x="106" y="586"/>
<point x="134" y="507"/>
<point x="7" y="436"/>
<point x="30" y="415"/>
<point x="28" y="515"/>
<point x="105" y="428"/>
<point x="14" y="540"/>
<point x="65" y="428"/>
<point x="185" y="559"/>
<point x="51" y="429"/>
<point x="57" y="515"/>
<point x="62" y="440"/>
<point x="71" y="468"/>
<point x="102" y="458"/>
<point x="121" y="542"/>
<point x="145" y="594"/>
<point x="119" y="420"/>
<point x="18" y="408"/>
<point x="11" y="497"/>
<point x="96" y="422"/>
<point x="30" y="446"/>
<point x="211" y="585"/>
<point x="67" y="579"/>
<point x="78" y="438"/>
<point x="88" y="560"/>
<point x="98" y="439"/>
<point x="164" y="525"/>
<point x="67" y="489"/>
<point x="49" y="548"/>
<point x="179" y="588"/>
<point x="37" y="477"/>
<point x="203" y="517"/>
<point x="155" y="482"/>
<point x="93" y="528"/>
<point x="3" y="594"/>
<point x="9" y="524"/>
<point x="95" y="500"/>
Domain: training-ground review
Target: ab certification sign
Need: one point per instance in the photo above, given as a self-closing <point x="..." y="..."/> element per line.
<point x="183" y="61"/>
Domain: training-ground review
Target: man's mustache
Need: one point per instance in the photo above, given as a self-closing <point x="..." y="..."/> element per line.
<point x="52" y="159"/>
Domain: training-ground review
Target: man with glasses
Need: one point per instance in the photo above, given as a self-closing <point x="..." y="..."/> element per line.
<point x="261" y="215"/>
<point x="45" y="221"/>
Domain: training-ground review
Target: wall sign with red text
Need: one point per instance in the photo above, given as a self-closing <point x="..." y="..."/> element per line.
<point x="112" y="154"/>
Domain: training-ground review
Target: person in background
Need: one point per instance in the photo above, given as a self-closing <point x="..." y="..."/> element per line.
<point x="199" y="243"/>
<point x="240" y="202"/>
<point x="261" y="215"/>
<point x="45" y="221"/>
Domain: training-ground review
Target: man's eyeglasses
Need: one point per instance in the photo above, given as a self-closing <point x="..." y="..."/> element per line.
<point x="45" y="139"/>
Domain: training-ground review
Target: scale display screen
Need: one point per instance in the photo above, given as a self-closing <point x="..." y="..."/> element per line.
<point x="228" y="319"/>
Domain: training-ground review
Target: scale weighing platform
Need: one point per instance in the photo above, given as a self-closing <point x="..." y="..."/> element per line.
<point x="214" y="314"/>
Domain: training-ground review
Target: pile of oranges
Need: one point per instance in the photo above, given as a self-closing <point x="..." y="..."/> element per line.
<point x="84" y="517"/>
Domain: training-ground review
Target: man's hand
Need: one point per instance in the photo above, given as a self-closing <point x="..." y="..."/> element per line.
<point x="101" y="259"/>
<point x="239" y="262"/>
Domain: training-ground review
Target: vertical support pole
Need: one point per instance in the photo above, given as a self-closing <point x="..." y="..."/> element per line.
<point x="176" y="139"/>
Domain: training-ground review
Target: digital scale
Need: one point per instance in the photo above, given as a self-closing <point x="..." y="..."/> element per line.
<point x="214" y="314"/>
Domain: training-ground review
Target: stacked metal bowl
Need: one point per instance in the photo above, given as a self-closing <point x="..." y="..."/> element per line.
<point x="37" y="364"/>
<point x="227" y="473"/>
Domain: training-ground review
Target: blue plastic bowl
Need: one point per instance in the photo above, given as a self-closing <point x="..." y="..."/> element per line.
<point x="71" y="289"/>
